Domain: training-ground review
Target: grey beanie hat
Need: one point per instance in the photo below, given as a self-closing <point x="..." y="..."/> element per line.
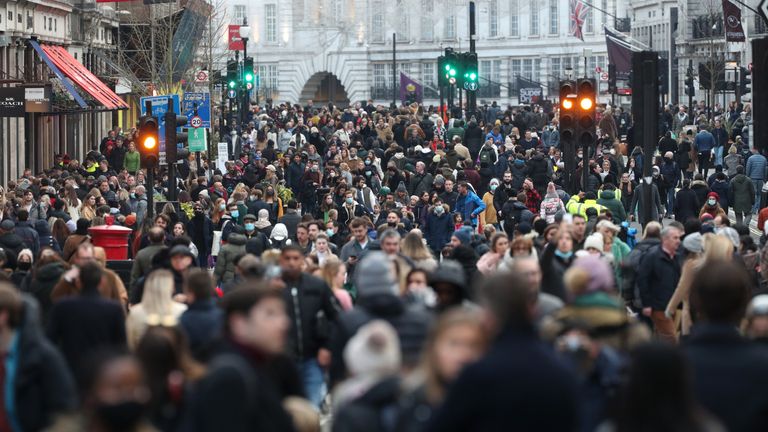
<point x="694" y="242"/>
<point x="374" y="275"/>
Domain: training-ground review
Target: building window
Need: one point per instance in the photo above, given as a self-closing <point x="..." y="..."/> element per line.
<point x="515" y="70"/>
<point x="554" y="28"/>
<point x="403" y="23"/>
<point x="238" y="13"/>
<point x="44" y="24"/>
<point x="450" y="27"/>
<point x="514" y="18"/>
<point x="270" y="22"/>
<point x="377" y="21"/>
<point x="555" y="67"/>
<point x="50" y="23"/>
<point x="19" y="18"/>
<point x="427" y="24"/>
<point x="590" y="25"/>
<point x="604" y="14"/>
<point x="428" y="74"/>
<point x="536" y="74"/>
<point x="55" y="25"/>
<point x="493" y="18"/>
<point x="534" y="18"/>
<point x="268" y="76"/>
<point x="527" y="68"/>
<point x="379" y="75"/>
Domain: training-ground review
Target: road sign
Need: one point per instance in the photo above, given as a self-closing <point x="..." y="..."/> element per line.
<point x="198" y="140"/>
<point x="159" y="108"/>
<point x="201" y="76"/>
<point x="471" y="86"/>
<point x="222" y="156"/>
<point x="232" y="94"/>
<point x="604" y="76"/>
<point x="201" y="101"/>
<point x="236" y="43"/>
<point x="195" y="122"/>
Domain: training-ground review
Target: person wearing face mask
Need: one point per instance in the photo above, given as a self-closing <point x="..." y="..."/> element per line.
<point x="350" y="209"/>
<point x="555" y="261"/>
<point x="712" y="206"/>
<point x="438" y="227"/>
<point x="490" y="214"/>
<point x="23" y="266"/>
<point x="274" y="204"/>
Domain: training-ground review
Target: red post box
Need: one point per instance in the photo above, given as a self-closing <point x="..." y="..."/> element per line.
<point x="113" y="238"/>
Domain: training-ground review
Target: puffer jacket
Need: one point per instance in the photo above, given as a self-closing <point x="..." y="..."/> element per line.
<point x="550" y="206"/>
<point x="519" y="171"/>
<point x="225" y="264"/>
<point x="741" y="194"/>
<point x="608" y="200"/>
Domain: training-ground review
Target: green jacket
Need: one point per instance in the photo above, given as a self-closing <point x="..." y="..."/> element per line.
<point x="132" y="161"/>
<point x="225" y="263"/>
<point x="452" y="132"/>
<point x="609" y="200"/>
<point x="741" y="194"/>
<point x="619" y="250"/>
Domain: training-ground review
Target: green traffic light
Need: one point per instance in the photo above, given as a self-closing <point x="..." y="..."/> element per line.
<point x="447" y="67"/>
<point x="232" y="84"/>
<point x="452" y="72"/>
<point x="472" y="76"/>
<point x="248" y="77"/>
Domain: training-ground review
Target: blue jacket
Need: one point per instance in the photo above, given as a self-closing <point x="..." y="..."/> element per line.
<point x="704" y="141"/>
<point x="756" y="165"/>
<point x="202" y="323"/>
<point x="470" y="206"/>
<point x="438" y="230"/>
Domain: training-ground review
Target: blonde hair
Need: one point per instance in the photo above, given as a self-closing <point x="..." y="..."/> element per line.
<point x="157" y="299"/>
<point x="330" y="269"/>
<point x="413" y="247"/>
<point x="717" y="248"/>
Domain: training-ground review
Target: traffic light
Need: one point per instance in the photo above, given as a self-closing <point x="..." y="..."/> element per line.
<point x="441" y="81"/>
<point x="568" y="101"/>
<point x="451" y="66"/>
<point x="248" y="74"/>
<point x="232" y="75"/>
<point x="585" y="113"/>
<point x="173" y="138"/>
<point x="745" y="83"/>
<point x="149" y="142"/>
<point x="470" y="77"/>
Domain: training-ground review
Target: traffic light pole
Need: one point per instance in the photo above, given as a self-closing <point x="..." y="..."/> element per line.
<point x="170" y="149"/>
<point x="471" y="95"/>
<point x="246" y="106"/>
<point x="150" y="178"/>
<point x="394" y="69"/>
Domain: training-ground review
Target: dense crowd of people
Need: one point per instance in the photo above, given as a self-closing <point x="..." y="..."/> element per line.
<point x="379" y="268"/>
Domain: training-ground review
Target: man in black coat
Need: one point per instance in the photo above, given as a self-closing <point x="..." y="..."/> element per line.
<point x="658" y="277"/>
<point x="42" y="385"/>
<point x="378" y="299"/>
<point x="728" y="370"/>
<point x="520" y="382"/>
<point x="313" y="311"/>
<point x="81" y="324"/>
<point x="200" y="229"/>
<point x="202" y="321"/>
<point x="687" y="204"/>
<point x="241" y="392"/>
<point x="10" y="242"/>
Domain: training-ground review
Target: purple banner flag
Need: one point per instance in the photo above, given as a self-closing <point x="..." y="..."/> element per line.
<point x="734" y="32"/>
<point x="410" y="90"/>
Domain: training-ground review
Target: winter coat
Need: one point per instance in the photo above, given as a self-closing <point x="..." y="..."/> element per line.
<point x="28" y="235"/>
<point x="538" y="170"/>
<point x="438" y="230"/>
<point x="310" y="296"/>
<point x="470" y="206"/>
<point x="722" y="188"/>
<point x="756" y="166"/>
<point x="512" y="388"/>
<point x="489" y="215"/>
<point x="580" y="206"/>
<point x="43" y="385"/>
<point x="726" y="367"/>
<point x="658" y="277"/>
<point x="609" y="201"/>
<point x="631" y="269"/>
<point x="741" y="194"/>
<point x="12" y="244"/>
<point x="368" y="411"/>
<point x="553" y="269"/>
<point x="202" y="323"/>
<point x="731" y="161"/>
<point x="45" y="237"/>
<point x="550" y="207"/>
<point x="519" y="171"/>
<point x="41" y="284"/>
<point x="702" y="190"/>
<point x="638" y="203"/>
<point x="516" y="211"/>
<point x="225" y="264"/>
<point x="687" y="205"/>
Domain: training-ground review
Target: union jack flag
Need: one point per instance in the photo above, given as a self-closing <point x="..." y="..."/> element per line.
<point x="578" y="14"/>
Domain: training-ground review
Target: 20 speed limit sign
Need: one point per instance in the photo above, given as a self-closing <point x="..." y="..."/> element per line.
<point x="196" y="122"/>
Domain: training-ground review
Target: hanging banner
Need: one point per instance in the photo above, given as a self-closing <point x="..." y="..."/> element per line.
<point x="235" y="41"/>
<point x="734" y="32"/>
<point x="528" y="91"/>
<point x="11" y="102"/>
<point x="37" y="99"/>
<point x="410" y="91"/>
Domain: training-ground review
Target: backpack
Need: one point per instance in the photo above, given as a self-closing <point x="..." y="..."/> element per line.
<point x="485" y="157"/>
<point x="511" y="219"/>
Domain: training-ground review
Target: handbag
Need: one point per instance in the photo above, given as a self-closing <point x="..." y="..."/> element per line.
<point x="216" y="245"/>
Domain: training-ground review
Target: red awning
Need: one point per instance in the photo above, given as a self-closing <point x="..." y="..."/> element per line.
<point x="75" y="71"/>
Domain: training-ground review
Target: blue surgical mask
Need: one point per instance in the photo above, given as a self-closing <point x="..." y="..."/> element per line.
<point x="350" y="200"/>
<point x="250" y="226"/>
<point x="330" y="232"/>
<point x="493" y="187"/>
<point x="222" y="207"/>
<point x="563" y="255"/>
<point x="235" y="214"/>
<point x="367" y="161"/>
<point x="133" y="195"/>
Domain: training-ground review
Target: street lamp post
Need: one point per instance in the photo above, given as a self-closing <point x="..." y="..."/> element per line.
<point x="245" y="32"/>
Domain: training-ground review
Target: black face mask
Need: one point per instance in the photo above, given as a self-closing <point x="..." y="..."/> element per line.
<point x="392" y="224"/>
<point x="24" y="265"/>
<point x="123" y="416"/>
<point x="270" y="193"/>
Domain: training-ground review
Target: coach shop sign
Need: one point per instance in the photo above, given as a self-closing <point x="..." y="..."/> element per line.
<point x="11" y="102"/>
<point x="37" y="99"/>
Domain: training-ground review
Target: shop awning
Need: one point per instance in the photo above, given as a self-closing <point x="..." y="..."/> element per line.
<point x="81" y="76"/>
<point x="70" y="88"/>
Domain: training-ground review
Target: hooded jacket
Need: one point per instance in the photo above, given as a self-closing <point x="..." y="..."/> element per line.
<point x="741" y="194"/>
<point x="12" y="244"/>
<point x="609" y="201"/>
<point x="225" y="264"/>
